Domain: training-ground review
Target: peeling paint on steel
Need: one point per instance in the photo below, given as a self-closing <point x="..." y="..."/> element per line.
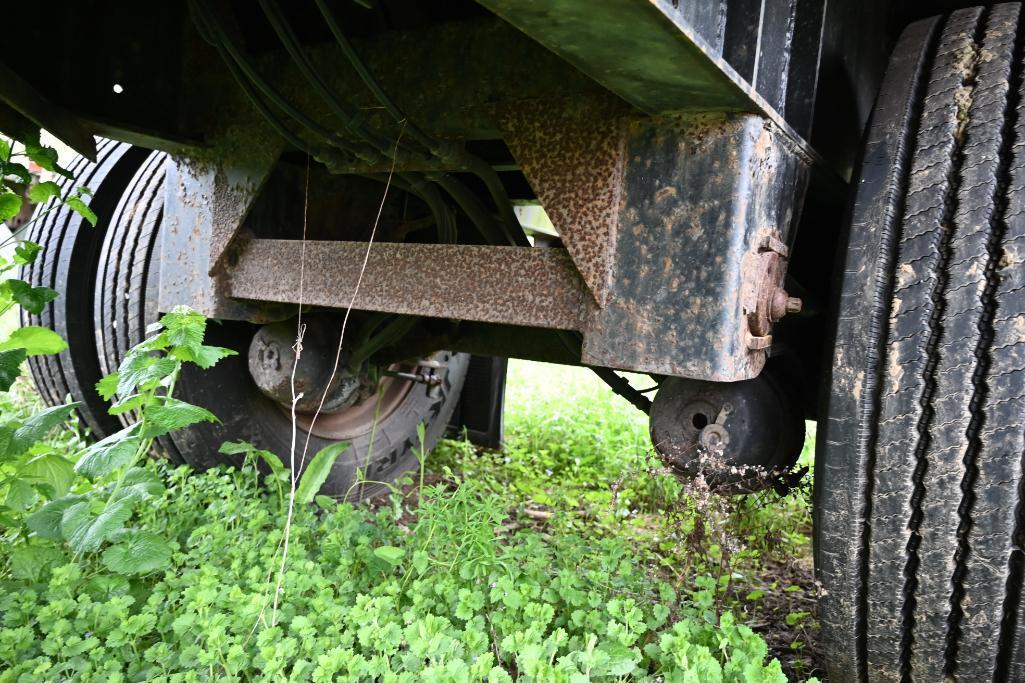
<point x="701" y="194"/>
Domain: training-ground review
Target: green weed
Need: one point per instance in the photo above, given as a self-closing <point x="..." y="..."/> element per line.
<point x="570" y="557"/>
<point x="487" y="604"/>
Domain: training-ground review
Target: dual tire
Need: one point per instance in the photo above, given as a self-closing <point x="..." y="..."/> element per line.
<point x="107" y="278"/>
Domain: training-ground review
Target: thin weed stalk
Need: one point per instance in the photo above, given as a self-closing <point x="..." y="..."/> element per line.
<point x="334" y="370"/>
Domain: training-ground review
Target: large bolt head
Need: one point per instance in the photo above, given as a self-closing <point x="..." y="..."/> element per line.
<point x="714" y="438"/>
<point x="782" y="304"/>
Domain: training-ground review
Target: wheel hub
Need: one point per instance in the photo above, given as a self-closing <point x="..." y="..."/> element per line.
<point x="272" y="363"/>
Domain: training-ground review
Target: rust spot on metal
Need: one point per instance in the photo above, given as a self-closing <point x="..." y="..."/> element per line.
<point x="535" y="287"/>
<point x="571" y="152"/>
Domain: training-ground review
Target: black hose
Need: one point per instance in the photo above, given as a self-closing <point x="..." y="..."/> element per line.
<point x="351" y="117"/>
<point x="509" y="223"/>
<point x="443" y="217"/>
<point x="469" y="203"/>
<point x="260" y="105"/>
<point x="369" y="153"/>
<point x="444" y="151"/>
<point x="382" y="336"/>
<point x="430" y="196"/>
<point x="368" y="79"/>
<point x="364" y="152"/>
<point x="622" y="387"/>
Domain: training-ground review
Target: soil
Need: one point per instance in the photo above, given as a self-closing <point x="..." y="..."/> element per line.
<point x="788" y="588"/>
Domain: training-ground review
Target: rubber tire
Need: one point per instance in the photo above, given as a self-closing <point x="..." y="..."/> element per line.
<point x="919" y="521"/>
<point x="125" y="303"/>
<point x="67" y="263"/>
<point x="254" y="418"/>
<point x="128" y="276"/>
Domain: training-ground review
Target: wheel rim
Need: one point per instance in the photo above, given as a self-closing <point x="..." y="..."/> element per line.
<point x="359" y="419"/>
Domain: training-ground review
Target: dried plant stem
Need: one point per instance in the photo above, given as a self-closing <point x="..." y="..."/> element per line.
<point x="352" y="300"/>
<point x="298" y="348"/>
<point x="301" y="330"/>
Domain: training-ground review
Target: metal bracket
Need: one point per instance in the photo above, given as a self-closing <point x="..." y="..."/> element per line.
<point x="428" y="372"/>
<point x="701" y="196"/>
<point x="690" y="254"/>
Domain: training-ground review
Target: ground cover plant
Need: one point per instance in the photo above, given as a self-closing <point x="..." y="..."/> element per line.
<point x="550" y="560"/>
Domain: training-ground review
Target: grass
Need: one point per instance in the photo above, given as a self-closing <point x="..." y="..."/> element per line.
<point x="568" y="555"/>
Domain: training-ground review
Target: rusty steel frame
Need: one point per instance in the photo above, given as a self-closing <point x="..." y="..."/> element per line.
<point x="708" y="206"/>
<point x="206" y="203"/>
<point x="571" y="152"/>
<point x="695" y="215"/>
<point x="676" y="227"/>
<point x="527" y="286"/>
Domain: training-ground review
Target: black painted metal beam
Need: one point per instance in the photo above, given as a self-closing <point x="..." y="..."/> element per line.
<point x="644" y="51"/>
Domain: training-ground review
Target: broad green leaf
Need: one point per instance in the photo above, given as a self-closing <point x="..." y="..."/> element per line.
<point x="32" y="299"/>
<point x="109" y="454"/>
<point x="52" y="469"/>
<point x="41" y="192"/>
<point x="5" y="150"/>
<point x="183" y="327"/>
<point x="128" y="404"/>
<point x="20" y="495"/>
<point x="140" y="370"/>
<point x="420" y="561"/>
<point x="10" y="367"/>
<point x="86" y="531"/>
<point x="273" y="462"/>
<point x="30" y="561"/>
<point x="325" y="502"/>
<point x="7" y="430"/>
<point x="104" y="587"/>
<point x="204" y="356"/>
<point x="390" y="554"/>
<point x="35" y="340"/>
<point x="172" y="415"/>
<point x="81" y="208"/>
<point x="19" y="170"/>
<point x="46" y="521"/>
<point x="46" y="158"/>
<point x="622" y="660"/>
<point x="317" y="471"/>
<point x="137" y="552"/>
<point x="237" y="448"/>
<point x="26" y="252"/>
<point x="10" y="204"/>
<point x="99" y="462"/>
<point x="139" y="484"/>
<point x="35" y="427"/>
<point x="107" y="387"/>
